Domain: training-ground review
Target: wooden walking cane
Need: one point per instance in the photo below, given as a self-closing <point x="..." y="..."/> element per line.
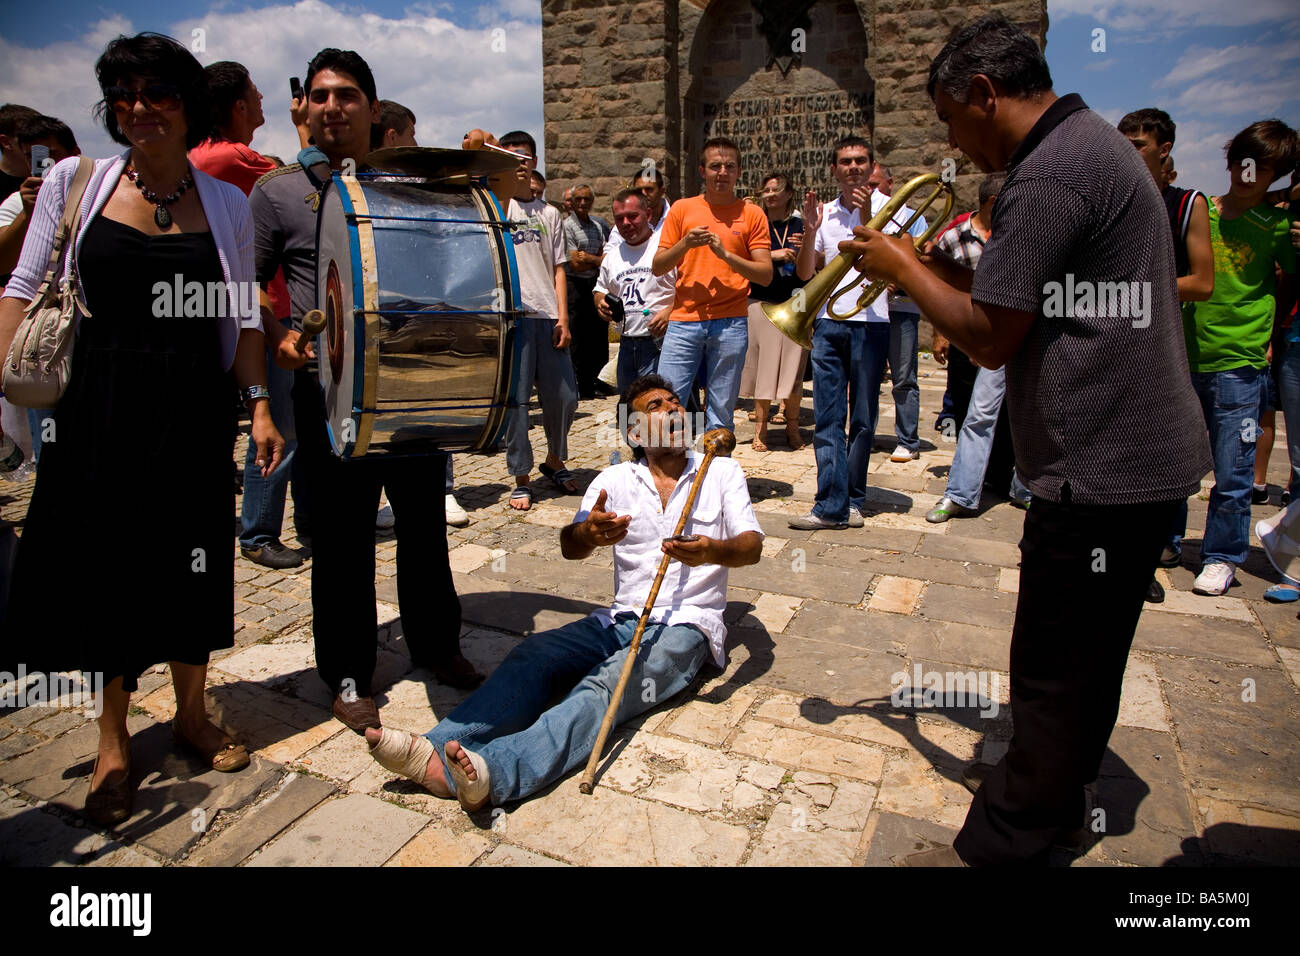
<point x="719" y="441"/>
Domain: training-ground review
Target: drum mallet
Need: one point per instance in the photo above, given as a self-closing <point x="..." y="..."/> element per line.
<point x="719" y="441"/>
<point x="313" y="323"/>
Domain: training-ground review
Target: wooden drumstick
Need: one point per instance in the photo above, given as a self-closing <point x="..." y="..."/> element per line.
<point x="313" y="323"/>
<point x="719" y="441"/>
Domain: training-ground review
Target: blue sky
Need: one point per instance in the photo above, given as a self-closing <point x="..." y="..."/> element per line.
<point x="1214" y="65"/>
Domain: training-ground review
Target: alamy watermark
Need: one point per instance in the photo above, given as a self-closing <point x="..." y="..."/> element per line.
<point x="179" y="299"/>
<point x="1106" y="300"/>
<point x="934" y="689"/>
<point x="53" y="689"/>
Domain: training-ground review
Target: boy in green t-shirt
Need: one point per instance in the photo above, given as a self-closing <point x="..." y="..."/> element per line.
<point x="1227" y="336"/>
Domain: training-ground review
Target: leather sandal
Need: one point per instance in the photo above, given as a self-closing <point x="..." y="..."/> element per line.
<point x="228" y="758"/>
<point x="111" y="803"/>
<point x="561" y="477"/>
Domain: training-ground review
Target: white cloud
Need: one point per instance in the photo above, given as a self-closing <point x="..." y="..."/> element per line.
<point x="1241" y="58"/>
<point x="1163" y="15"/>
<point x="59" y="79"/>
<point x="449" y="75"/>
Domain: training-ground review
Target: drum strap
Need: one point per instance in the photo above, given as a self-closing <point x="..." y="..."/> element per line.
<point x="317" y="167"/>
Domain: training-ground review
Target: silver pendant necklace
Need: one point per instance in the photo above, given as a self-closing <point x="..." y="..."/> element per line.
<point x="160" y="214"/>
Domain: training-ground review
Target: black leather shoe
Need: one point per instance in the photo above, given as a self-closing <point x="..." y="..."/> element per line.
<point x="1155" y="592"/>
<point x="273" y="554"/>
<point x="357" y="713"/>
<point x="455" y="671"/>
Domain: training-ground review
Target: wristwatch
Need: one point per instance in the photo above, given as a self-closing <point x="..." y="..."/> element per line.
<point x="254" y="392"/>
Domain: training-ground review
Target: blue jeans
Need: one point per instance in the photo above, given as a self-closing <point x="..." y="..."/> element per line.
<point x="551" y="370"/>
<point x="261" y="512"/>
<point x="527" y="745"/>
<point x="1230" y="403"/>
<point x="36" y="418"/>
<point x="847" y="357"/>
<point x="722" y="344"/>
<point x="975" y="442"/>
<point x="1288" y="388"/>
<point x="637" y="356"/>
<point x="902" y="365"/>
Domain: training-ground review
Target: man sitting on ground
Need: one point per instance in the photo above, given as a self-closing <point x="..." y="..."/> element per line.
<point x="519" y="745"/>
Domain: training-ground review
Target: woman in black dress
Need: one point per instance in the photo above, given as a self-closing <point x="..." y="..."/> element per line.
<point x="126" y="557"/>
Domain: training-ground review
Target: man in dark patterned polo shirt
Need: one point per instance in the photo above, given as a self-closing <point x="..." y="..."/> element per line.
<point x="1076" y="296"/>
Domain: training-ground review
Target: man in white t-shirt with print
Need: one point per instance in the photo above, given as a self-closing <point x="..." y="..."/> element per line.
<point x="848" y="358"/>
<point x="649" y="182"/>
<point x="647" y="299"/>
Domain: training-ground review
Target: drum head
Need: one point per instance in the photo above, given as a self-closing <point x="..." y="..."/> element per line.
<point x="420" y="294"/>
<point x="340" y="291"/>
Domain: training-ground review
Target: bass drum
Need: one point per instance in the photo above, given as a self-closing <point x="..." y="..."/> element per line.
<point x="420" y="293"/>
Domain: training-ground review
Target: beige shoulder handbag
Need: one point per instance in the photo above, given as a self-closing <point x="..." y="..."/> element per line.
<point x="40" y="358"/>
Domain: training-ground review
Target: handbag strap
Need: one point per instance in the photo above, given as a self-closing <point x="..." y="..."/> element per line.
<point x="68" y="222"/>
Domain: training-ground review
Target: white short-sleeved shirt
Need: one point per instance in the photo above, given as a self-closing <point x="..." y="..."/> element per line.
<point x="688" y="595"/>
<point x="539" y="247"/>
<point x="11" y="207"/>
<point x="625" y="272"/>
<point x="837" y="226"/>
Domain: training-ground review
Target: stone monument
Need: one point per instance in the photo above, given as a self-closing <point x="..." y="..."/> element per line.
<point x="633" y="83"/>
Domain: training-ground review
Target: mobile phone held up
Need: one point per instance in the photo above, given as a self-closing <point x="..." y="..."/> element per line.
<point x="40" y="161"/>
<point x="295" y="87"/>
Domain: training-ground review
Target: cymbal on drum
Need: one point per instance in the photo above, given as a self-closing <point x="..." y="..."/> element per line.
<point x="431" y="162"/>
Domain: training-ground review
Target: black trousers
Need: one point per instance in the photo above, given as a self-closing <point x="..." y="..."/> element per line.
<point x="1084" y="570"/>
<point x="346" y="497"/>
<point x="590" y="348"/>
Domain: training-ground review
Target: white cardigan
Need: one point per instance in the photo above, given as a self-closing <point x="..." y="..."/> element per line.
<point x="224" y="205"/>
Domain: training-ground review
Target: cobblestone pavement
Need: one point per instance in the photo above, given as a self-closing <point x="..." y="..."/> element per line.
<point x="792" y="755"/>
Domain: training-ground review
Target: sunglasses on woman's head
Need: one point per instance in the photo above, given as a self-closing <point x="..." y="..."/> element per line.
<point x="155" y="96"/>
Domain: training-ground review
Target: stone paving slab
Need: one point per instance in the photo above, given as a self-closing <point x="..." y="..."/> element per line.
<point x="896" y="836"/>
<point x="612" y="829"/>
<point x="296" y="796"/>
<point x="1247" y="750"/>
<point x="354" y="830"/>
<point x="909" y="565"/>
<point x="984" y="608"/>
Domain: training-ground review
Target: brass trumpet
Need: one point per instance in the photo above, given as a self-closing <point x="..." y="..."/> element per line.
<point x="794" y="318"/>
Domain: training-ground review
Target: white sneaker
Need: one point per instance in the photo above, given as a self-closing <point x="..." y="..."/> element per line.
<point x="385" y="519"/>
<point x="456" y="516"/>
<point x="901" y="453"/>
<point x="1214" y="579"/>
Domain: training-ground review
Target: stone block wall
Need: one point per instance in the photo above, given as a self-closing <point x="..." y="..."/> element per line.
<point x="628" y="81"/>
<point x="608" y="98"/>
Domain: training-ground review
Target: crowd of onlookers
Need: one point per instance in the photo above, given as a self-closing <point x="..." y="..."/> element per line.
<point x="683" y="285"/>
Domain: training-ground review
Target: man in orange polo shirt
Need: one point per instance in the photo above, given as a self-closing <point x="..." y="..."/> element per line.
<point x="719" y="244"/>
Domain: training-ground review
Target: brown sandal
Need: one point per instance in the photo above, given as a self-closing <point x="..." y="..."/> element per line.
<point x="225" y="759"/>
<point x="792" y="437"/>
<point x="111" y="803"/>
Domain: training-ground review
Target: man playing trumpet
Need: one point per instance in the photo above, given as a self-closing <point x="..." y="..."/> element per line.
<point x="504" y="743"/>
<point x="1103" y="416"/>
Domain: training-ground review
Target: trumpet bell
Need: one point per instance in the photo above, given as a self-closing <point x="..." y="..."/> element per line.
<point x="795" y="317"/>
